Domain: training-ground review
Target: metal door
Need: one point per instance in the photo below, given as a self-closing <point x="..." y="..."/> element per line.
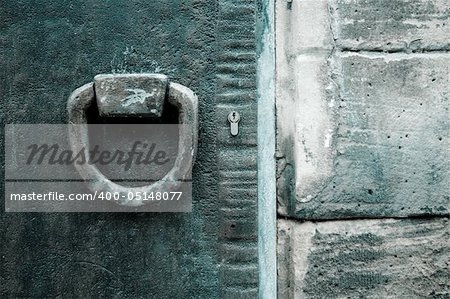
<point x="50" y="48"/>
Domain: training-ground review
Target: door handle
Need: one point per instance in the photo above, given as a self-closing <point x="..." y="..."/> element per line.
<point x="141" y="95"/>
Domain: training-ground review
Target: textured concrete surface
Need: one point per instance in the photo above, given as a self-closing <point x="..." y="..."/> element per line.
<point x="362" y="133"/>
<point x="391" y="25"/>
<point x="364" y="259"/>
<point x="363" y="126"/>
<point x="267" y="215"/>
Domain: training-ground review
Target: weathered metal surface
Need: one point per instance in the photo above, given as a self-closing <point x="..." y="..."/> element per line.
<point x="131" y="94"/>
<point x="110" y="97"/>
<point x="237" y="155"/>
<point x="48" y="50"/>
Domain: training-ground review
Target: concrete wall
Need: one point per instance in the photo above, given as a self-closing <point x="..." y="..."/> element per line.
<point x="363" y="132"/>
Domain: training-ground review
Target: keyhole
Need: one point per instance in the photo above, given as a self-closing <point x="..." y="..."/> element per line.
<point x="233" y="118"/>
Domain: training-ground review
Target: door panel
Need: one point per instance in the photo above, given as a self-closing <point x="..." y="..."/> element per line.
<point x="50" y="48"/>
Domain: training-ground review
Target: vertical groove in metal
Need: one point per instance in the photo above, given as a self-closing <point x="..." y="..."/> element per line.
<point x="237" y="155"/>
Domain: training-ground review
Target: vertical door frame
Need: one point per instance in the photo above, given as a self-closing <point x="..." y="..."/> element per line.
<point x="267" y="222"/>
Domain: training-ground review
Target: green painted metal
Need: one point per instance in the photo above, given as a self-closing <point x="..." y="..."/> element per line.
<point x="49" y="48"/>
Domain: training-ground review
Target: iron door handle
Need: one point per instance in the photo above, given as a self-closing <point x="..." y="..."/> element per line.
<point x="178" y="95"/>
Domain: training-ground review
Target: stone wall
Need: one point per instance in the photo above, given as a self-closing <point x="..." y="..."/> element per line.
<point x="363" y="133"/>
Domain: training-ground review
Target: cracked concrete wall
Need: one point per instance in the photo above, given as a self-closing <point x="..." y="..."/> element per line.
<point x="362" y="132"/>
